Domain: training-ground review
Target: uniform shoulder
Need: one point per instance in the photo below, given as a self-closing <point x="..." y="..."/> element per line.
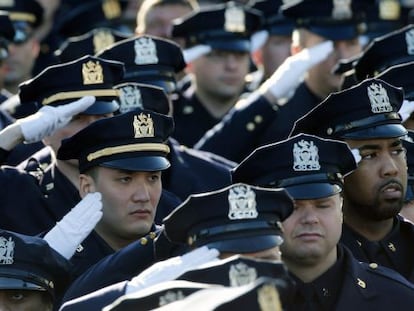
<point x="387" y="274"/>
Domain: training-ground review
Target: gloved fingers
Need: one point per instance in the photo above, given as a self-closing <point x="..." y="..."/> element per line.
<point x="200" y="255"/>
<point x="92" y="201"/>
<point x="76" y="107"/>
<point x="258" y="39"/>
<point x="195" y="52"/>
<point x="319" y="52"/>
<point x="406" y="110"/>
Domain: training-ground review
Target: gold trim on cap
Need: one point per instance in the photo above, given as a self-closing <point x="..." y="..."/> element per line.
<point x="79" y="94"/>
<point x="127" y="148"/>
<point x="20" y="16"/>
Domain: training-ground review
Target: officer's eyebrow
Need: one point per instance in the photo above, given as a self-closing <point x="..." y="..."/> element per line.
<point x="394" y="143"/>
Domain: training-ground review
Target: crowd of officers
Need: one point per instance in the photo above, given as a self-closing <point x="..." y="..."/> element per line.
<point x="212" y="155"/>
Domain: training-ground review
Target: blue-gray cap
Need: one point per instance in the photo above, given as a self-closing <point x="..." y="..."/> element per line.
<point x="223" y="27"/>
<point x="307" y="166"/>
<point x="239" y="218"/>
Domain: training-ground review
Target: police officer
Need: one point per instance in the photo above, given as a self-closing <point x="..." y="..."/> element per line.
<point x="374" y="193"/>
<point x="156" y="61"/>
<point x="32" y="275"/>
<point x="217" y="78"/>
<point x="233" y="220"/>
<point x="325" y="32"/>
<point x="312" y="170"/>
<point x="42" y="194"/>
<point x="407" y="210"/>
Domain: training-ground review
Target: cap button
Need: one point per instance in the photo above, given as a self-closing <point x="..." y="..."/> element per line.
<point x="373" y="265"/>
<point x="143" y="241"/>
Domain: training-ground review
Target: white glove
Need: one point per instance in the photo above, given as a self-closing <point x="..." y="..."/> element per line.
<point x="195" y="52"/>
<point x="406" y="109"/>
<point x="287" y="77"/>
<point x="172" y="268"/>
<point x="258" y="39"/>
<point x="76" y="225"/>
<point x="48" y="119"/>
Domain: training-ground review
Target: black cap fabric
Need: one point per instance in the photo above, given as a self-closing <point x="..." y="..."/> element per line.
<point x="223" y="27"/>
<point x="307" y="166"/>
<point x="29" y="263"/>
<point x="334" y="20"/>
<point x="368" y="110"/>
<point x="81" y="16"/>
<point x="391" y="49"/>
<point x="238" y="218"/>
<point x="6" y="34"/>
<point x="64" y="83"/>
<point x="134" y="141"/>
<point x="89" y="43"/>
<point x="273" y="20"/>
<point x="143" y="96"/>
<point x="148" y="59"/>
<point x="400" y="76"/>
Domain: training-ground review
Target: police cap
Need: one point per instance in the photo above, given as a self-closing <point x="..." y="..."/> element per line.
<point x="334" y="20"/>
<point x="148" y="59"/>
<point x="137" y="95"/>
<point x="155" y="296"/>
<point x="29" y="263"/>
<point x="64" y="83"/>
<point x="383" y="52"/>
<point x="307" y="166"/>
<point x="134" y="141"/>
<point x="26" y="15"/>
<point x="368" y="110"/>
<point x="239" y="218"/>
<point x="400" y="75"/>
<point x="89" y="43"/>
<point x="6" y="34"/>
<point x="225" y="26"/>
<point x="273" y="20"/>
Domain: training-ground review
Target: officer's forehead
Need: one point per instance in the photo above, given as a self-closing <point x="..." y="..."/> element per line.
<point x="377" y="143"/>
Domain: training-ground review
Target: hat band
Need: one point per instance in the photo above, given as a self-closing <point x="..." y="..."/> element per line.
<point x="252" y="226"/>
<point x="383" y="118"/>
<point x="19" y="16"/>
<point x="310" y="179"/>
<point x="127" y="148"/>
<point x="79" y="94"/>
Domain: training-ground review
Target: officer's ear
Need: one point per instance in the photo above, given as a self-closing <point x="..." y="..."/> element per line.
<point x="86" y="184"/>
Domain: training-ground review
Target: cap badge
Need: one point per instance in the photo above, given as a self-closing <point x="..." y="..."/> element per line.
<point x="234" y="19"/>
<point x="241" y="274"/>
<point x="102" y="39"/>
<point x="6" y="251"/>
<point x="342" y="9"/>
<point x="389" y="9"/>
<point x="130" y="98"/>
<point x="145" y="51"/>
<point x="92" y="73"/>
<point x="111" y="9"/>
<point x="409" y="39"/>
<point x="378" y="97"/>
<point x="268" y="298"/>
<point x="242" y="203"/>
<point x="143" y="126"/>
<point x="170" y="296"/>
<point x="305" y="156"/>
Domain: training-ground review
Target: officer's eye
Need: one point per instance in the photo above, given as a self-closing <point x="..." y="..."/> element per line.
<point x="154" y="177"/>
<point x="368" y="156"/>
<point x="16" y="295"/>
<point x="125" y="179"/>
<point x="398" y="151"/>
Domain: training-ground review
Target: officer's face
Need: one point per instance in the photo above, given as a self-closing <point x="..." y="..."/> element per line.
<point x="376" y="189"/>
<point x="220" y="75"/>
<point x="24" y="300"/>
<point x="312" y="231"/>
<point x="129" y="201"/>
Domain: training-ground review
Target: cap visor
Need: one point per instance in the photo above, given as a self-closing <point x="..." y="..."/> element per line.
<point x="139" y="163"/>
<point x="313" y="191"/>
<point x="12" y="283"/>
<point x="250" y="244"/>
<point x="335" y="32"/>
<point x="380" y="131"/>
<point x="230" y="45"/>
<point x="102" y="107"/>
